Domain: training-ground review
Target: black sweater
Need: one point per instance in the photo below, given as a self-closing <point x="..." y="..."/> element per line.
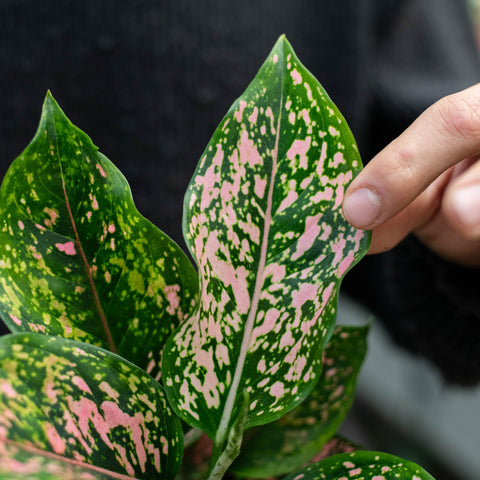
<point x="150" y="80"/>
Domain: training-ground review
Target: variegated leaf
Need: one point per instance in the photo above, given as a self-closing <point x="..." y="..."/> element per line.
<point x="77" y="259"/>
<point x="362" y="465"/>
<point x="86" y="405"/>
<point x="294" y="439"/>
<point x="263" y="219"/>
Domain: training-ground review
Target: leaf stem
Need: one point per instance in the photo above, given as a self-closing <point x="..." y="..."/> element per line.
<point x="232" y="448"/>
<point x="225" y="459"/>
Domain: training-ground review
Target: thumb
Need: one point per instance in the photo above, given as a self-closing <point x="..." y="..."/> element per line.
<point x="444" y="135"/>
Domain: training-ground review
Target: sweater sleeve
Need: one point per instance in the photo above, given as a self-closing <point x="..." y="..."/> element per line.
<point x="430" y="306"/>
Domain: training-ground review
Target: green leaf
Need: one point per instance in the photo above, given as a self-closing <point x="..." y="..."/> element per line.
<point x="263" y="219"/>
<point x="298" y="436"/>
<point x="77" y="259"/>
<point x="87" y="406"/>
<point x="362" y="465"/>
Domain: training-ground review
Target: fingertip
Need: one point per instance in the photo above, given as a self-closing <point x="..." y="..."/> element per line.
<point x="462" y="207"/>
<point x="362" y="207"/>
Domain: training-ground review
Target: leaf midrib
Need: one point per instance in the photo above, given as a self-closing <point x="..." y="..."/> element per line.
<point x="67" y="460"/>
<point x="86" y="264"/>
<point x="232" y="394"/>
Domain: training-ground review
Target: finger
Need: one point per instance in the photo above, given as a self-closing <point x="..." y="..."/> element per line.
<point x="461" y="203"/>
<point x="411" y="218"/>
<point x="443" y="135"/>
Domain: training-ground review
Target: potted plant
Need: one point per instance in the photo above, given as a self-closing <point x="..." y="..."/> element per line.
<point x="122" y="352"/>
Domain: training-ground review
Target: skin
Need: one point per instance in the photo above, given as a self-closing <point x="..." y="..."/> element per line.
<point x="426" y="182"/>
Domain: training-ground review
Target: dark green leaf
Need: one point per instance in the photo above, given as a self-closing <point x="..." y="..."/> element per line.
<point x="362" y="465"/>
<point x="77" y="259"/>
<point x="263" y="219"/>
<point x="87" y="405"/>
<point x="298" y="436"/>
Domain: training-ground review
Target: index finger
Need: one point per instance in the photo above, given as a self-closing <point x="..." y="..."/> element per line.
<point x="443" y="135"/>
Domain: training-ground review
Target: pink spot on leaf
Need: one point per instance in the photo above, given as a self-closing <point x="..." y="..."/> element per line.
<point x="299" y="148"/>
<point x="15" y="319"/>
<point x="7" y="389"/>
<point x="306" y="240"/>
<point x="226" y="272"/>
<point x="297" y="78"/>
<point x="259" y="187"/>
<point x="337" y="160"/>
<point x="81" y="384"/>
<point x="326" y="194"/>
<point x="253" y="117"/>
<point x="211" y="179"/>
<point x="267" y="326"/>
<point x="171" y="291"/>
<point x="238" y="114"/>
<point x="277" y="390"/>
<point x="337" y="248"/>
<point x="53" y="214"/>
<point x="321" y="160"/>
<point x="306" y="292"/>
<point x="345" y="264"/>
<point x="101" y="170"/>
<point x="68" y="248"/>
<point x="55" y="440"/>
<point x="248" y="153"/>
<point x="291" y="197"/>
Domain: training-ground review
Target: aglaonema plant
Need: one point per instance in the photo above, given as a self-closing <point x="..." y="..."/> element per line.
<point x="120" y="351"/>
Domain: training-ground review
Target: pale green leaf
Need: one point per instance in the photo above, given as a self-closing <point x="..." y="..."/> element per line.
<point x="77" y="259"/>
<point x="87" y="405"/>
<point x="362" y="465"/>
<point x="263" y="219"/>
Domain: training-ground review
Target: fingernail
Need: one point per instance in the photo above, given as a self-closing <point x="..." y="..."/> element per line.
<point x="362" y="207"/>
<point x="466" y="202"/>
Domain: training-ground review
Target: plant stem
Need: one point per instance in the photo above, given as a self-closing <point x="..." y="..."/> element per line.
<point x="233" y="444"/>
<point x="226" y="458"/>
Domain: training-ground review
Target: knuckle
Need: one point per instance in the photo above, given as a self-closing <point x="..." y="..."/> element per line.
<point x="460" y="116"/>
<point x="403" y="163"/>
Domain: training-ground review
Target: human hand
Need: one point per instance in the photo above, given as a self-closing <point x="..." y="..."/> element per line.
<point x="426" y="182"/>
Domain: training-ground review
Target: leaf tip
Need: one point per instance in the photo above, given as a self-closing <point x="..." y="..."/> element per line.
<point x="50" y="103"/>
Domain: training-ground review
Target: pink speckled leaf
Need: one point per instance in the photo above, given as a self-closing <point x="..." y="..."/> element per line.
<point x="87" y="406"/>
<point x="263" y="219"/>
<point x="77" y="259"/>
<point x="362" y="465"/>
